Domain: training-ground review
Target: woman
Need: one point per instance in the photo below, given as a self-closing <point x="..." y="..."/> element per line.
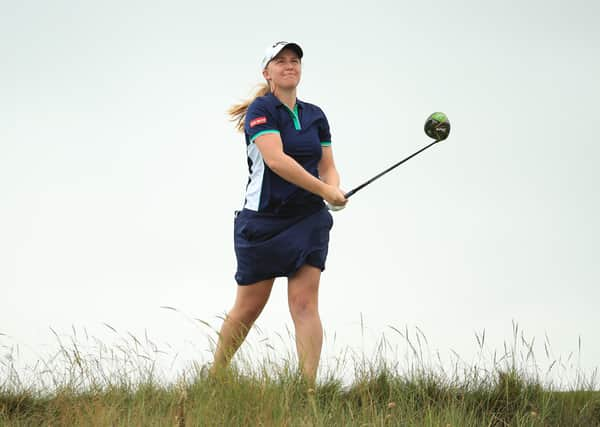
<point x="283" y="229"/>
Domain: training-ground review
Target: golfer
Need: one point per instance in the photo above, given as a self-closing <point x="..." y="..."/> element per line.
<point x="283" y="228"/>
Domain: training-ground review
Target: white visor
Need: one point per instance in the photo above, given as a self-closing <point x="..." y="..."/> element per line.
<point x="273" y="50"/>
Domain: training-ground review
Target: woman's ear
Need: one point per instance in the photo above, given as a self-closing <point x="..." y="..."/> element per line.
<point x="266" y="74"/>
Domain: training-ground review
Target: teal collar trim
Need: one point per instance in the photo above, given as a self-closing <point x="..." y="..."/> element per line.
<point x="295" y="116"/>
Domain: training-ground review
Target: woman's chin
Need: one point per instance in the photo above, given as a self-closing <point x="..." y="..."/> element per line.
<point x="289" y="84"/>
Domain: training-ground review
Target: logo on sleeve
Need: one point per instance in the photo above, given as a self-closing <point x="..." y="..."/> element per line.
<point x="258" y="121"/>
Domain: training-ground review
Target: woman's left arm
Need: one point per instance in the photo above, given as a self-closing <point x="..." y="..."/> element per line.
<point x="327" y="170"/>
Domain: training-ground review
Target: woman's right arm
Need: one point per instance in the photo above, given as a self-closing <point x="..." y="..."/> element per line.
<point x="271" y="148"/>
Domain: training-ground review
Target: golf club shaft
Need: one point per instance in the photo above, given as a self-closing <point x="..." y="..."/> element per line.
<point x="364" y="184"/>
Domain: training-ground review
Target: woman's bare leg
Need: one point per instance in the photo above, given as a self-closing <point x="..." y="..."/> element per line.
<point x="249" y="303"/>
<point x="303" y="301"/>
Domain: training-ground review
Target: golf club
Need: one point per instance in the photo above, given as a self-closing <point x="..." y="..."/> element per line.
<point x="437" y="127"/>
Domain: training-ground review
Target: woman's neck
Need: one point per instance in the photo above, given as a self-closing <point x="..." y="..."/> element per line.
<point x="287" y="97"/>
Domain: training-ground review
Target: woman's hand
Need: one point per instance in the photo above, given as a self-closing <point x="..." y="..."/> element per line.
<point x="333" y="195"/>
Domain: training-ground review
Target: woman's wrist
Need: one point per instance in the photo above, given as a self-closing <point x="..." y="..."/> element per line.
<point x="322" y="190"/>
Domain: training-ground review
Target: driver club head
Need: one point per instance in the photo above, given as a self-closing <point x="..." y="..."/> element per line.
<point x="437" y="126"/>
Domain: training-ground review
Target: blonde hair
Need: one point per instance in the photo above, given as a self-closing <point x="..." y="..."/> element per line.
<point x="237" y="112"/>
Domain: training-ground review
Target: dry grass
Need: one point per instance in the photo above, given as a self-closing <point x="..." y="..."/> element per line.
<point x="119" y="386"/>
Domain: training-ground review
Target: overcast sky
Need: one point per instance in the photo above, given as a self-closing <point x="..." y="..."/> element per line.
<point x="119" y="170"/>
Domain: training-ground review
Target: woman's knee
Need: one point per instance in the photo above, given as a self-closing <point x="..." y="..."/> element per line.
<point x="303" y="292"/>
<point x="246" y="312"/>
<point x="303" y="306"/>
<point x="251" y="300"/>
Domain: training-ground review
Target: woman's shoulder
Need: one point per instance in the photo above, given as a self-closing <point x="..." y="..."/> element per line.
<point x="310" y="106"/>
<point x="261" y="102"/>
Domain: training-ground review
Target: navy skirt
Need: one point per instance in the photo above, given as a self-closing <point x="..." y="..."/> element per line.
<point x="275" y="246"/>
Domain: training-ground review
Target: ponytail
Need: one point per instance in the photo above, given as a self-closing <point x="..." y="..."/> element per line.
<point x="237" y="113"/>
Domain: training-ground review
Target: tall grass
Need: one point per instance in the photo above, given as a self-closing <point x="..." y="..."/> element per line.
<point x="87" y="382"/>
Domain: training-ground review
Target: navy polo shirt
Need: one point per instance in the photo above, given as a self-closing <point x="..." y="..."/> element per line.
<point x="303" y="132"/>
